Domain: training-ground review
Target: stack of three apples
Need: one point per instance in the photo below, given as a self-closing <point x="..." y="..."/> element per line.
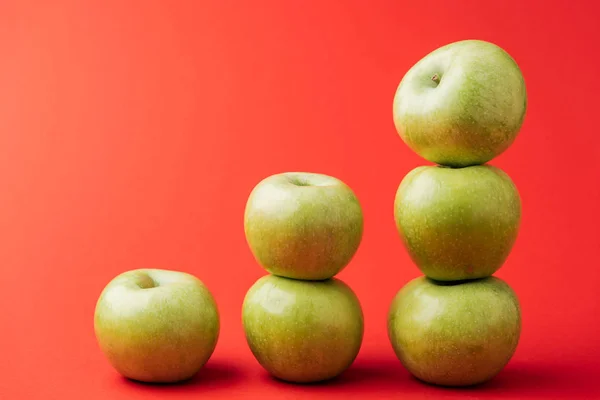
<point x="459" y="107"/>
<point x="302" y="323"/>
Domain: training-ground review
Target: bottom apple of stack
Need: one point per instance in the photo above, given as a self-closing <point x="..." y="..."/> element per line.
<point x="301" y="323"/>
<point x="455" y="333"/>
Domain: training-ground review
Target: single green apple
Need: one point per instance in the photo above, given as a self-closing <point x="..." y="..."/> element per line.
<point x="156" y="325"/>
<point x="455" y="334"/>
<point x="303" y="225"/>
<point x="302" y="331"/>
<point x="458" y="223"/>
<point x="462" y="104"/>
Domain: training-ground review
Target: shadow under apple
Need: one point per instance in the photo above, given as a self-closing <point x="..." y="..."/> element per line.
<point x="519" y="380"/>
<point x="526" y="379"/>
<point x="215" y="374"/>
<point x="362" y="374"/>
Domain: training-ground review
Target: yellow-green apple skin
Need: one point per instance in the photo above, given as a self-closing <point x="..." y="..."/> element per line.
<point x="457" y="223"/>
<point x="462" y="104"/>
<point x="156" y="325"/>
<point x="303" y="225"/>
<point x="303" y="331"/>
<point x="455" y="334"/>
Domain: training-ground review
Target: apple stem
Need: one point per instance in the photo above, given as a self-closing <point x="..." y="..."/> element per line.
<point x="436" y="78"/>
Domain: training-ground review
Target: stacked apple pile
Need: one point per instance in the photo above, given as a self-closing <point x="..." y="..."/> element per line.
<point x="459" y="107"/>
<point x="301" y="322"/>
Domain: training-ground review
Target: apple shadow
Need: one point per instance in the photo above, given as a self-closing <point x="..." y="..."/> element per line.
<point x="526" y="379"/>
<point x="214" y="375"/>
<point x="522" y="380"/>
<point x="519" y="380"/>
<point x="385" y="374"/>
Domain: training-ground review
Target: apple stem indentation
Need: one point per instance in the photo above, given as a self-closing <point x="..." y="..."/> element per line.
<point x="436" y="79"/>
<point x="296" y="181"/>
<point x="146" y="282"/>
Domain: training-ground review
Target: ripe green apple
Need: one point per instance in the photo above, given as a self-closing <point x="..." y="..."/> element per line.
<point x="455" y="334"/>
<point x="457" y="223"/>
<point x="462" y="104"/>
<point x="303" y="225"/>
<point x="302" y="331"/>
<point x="156" y="325"/>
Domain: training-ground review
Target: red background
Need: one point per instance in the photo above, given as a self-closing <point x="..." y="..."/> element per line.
<point x="131" y="134"/>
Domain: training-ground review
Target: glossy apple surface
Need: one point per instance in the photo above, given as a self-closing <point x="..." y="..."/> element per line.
<point x="302" y="331"/>
<point x="455" y="334"/>
<point x="462" y="104"/>
<point x="458" y="223"/>
<point x="303" y="225"/>
<point x="156" y="325"/>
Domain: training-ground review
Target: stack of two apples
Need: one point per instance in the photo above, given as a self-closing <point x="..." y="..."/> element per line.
<point x="301" y="323"/>
<point x="459" y="107"/>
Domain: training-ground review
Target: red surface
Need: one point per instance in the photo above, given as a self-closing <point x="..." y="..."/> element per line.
<point x="131" y="134"/>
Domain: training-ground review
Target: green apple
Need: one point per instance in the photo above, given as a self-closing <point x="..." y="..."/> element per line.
<point x="156" y="325"/>
<point x="303" y="225"/>
<point x="455" y="334"/>
<point x="302" y="331"/>
<point x="457" y="223"/>
<point x="462" y="104"/>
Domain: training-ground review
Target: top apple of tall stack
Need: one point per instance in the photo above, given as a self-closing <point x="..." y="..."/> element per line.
<point x="459" y="107"/>
<point x="463" y="104"/>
